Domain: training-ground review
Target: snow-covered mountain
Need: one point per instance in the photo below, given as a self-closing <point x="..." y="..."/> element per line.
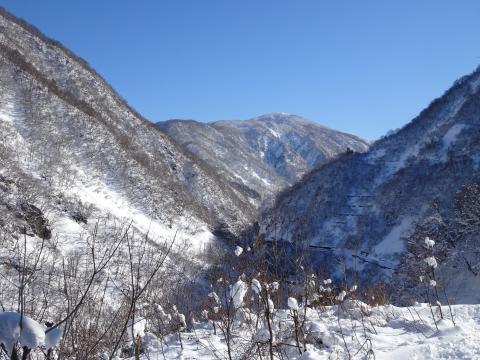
<point x="363" y="208"/>
<point x="72" y="151"/>
<point x="264" y="154"/>
<point x="109" y="226"/>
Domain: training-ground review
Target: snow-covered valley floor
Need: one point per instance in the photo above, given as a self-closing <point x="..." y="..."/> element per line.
<point x="383" y="332"/>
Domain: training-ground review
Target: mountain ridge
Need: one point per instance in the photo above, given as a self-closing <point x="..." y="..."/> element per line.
<point x="366" y="206"/>
<point x="41" y="76"/>
<point x="280" y="147"/>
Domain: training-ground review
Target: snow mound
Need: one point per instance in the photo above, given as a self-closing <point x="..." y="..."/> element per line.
<point x="311" y="355"/>
<point x="354" y="309"/>
<point x="137" y="328"/>
<point x="26" y="331"/>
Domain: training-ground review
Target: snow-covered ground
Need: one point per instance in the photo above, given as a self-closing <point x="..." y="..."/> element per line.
<point x="383" y="332"/>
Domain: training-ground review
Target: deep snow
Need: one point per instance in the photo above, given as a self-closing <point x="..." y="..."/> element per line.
<point x="387" y="332"/>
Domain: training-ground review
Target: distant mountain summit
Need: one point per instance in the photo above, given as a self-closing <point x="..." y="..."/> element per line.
<point x="280" y="117"/>
<point x="263" y="154"/>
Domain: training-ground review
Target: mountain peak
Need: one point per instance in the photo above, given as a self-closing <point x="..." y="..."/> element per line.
<point x="276" y="148"/>
<point x="281" y="117"/>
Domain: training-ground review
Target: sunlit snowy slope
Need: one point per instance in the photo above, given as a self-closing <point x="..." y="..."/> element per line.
<point x="72" y="151"/>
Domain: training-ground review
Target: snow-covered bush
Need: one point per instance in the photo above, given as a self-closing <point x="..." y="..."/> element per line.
<point x="238" y="251"/>
<point x="429" y="243"/>
<point x="20" y="331"/>
<point x="431" y="261"/>
<point x="428" y="276"/>
<point x="292" y="304"/>
<point x="238" y="292"/>
<point x="256" y="286"/>
<point x="178" y="321"/>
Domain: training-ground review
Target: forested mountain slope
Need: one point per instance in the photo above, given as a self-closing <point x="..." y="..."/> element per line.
<point x="362" y="208"/>
<point x="263" y="154"/>
<point x="69" y="144"/>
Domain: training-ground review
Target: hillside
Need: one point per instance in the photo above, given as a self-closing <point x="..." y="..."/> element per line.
<point x="70" y="142"/>
<point x="264" y="154"/>
<point x="363" y="208"/>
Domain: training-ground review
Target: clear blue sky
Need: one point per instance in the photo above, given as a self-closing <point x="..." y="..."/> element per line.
<point x="360" y="66"/>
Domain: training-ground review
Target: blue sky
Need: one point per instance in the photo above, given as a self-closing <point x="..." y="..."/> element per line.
<point x="359" y="66"/>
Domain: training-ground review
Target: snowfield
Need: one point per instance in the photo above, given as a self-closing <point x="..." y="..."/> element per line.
<point x="383" y="332"/>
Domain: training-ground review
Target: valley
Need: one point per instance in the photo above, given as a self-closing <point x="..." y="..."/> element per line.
<point x="268" y="238"/>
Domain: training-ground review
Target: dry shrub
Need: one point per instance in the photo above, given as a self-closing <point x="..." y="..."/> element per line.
<point x="377" y="294"/>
